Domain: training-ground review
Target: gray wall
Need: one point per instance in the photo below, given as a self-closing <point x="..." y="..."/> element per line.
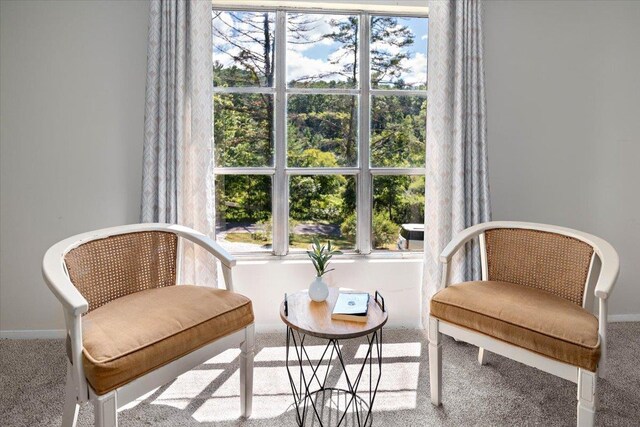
<point x="72" y="79"/>
<point x="563" y="95"/>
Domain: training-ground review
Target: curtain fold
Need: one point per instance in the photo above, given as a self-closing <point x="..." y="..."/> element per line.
<point x="177" y="175"/>
<point x="457" y="187"/>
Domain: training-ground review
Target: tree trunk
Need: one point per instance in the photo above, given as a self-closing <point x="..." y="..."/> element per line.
<point x="351" y="134"/>
<point x="268" y="69"/>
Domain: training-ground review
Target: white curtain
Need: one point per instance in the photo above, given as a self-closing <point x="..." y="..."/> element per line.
<point x="177" y="184"/>
<point x="457" y="188"/>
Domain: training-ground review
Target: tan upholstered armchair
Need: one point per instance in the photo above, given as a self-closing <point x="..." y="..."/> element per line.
<point x="532" y="305"/>
<point x="130" y="329"/>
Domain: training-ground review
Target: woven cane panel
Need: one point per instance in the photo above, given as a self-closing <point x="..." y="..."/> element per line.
<point x="110" y="268"/>
<point x="552" y="262"/>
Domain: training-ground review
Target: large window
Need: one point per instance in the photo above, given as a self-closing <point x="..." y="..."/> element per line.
<point x="319" y="127"/>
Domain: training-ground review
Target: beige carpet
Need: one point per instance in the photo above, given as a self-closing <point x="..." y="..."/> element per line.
<point x="500" y="393"/>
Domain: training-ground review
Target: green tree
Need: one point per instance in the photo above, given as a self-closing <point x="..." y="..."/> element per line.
<point x="387" y="54"/>
<point x="243" y="198"/>
<point x="322" y="122"/>
<point x="398" y="131"/>
<point x="248" y="39"/>
<point x="317" y="198"/>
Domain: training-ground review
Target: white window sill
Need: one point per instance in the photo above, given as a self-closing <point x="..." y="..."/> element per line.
<point x="348" y="257"/>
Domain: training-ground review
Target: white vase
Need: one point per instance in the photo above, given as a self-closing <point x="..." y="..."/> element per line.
<point x="318" y="290"/>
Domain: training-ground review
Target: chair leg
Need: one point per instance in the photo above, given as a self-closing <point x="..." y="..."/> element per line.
<point x="70" y="410"/>
<point x="482" y="356"/>
<point x="586" y="398"/>
<point x="602" y="364"/>
<point x="106" y="410"/>
<point x="435" y="361"/>
<point x="246" y="372"/>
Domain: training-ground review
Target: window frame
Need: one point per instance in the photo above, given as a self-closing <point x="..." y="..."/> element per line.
<point x="363" y="172"/>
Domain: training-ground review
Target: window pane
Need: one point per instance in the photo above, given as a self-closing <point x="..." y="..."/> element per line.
<point x="398" y="52"/>
<point x="243" y="48"/>
<point x="322" y="130"/>
<point x="243" y="129"/>
<point x="243" y="212"/>
<point x="322" y="206"/>
<point x="398" y="131"/>
<point x="398" y="212"/>
<point x="322" y="50"/>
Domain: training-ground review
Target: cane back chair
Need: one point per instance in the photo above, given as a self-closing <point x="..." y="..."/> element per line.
<point x="129" y="327"/>
<point x="533" y="304"/>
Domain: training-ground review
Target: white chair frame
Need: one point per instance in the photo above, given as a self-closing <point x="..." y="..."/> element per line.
<point x="604" y="260"/>
<point x="75" y="305"/>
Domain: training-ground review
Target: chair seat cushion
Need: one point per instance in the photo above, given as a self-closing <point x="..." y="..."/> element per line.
<point x="523" y="316"/>
<point x="135" y="334"/>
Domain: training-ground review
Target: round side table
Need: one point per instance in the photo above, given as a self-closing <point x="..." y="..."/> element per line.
<point x="313" y="400"/>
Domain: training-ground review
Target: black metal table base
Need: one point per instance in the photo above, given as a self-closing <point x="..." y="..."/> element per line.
<point x="317" y="404"/>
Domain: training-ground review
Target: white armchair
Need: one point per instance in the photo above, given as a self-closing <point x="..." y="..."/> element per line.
<point x="129" y="329"/>
<point x="532" y="305"/>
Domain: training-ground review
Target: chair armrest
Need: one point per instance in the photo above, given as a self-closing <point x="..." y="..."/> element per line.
<point x="461" y="238"/>
<point x="608" y="271"/>
<point x="73" y="304"/>
<point x="57" y="280"/>
<point x="206" y="242"/>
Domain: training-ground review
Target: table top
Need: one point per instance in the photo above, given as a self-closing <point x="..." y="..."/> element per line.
<point x="314" y="318"/>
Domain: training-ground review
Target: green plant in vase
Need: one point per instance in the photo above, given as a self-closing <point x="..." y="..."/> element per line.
<point x="320" y="256"/>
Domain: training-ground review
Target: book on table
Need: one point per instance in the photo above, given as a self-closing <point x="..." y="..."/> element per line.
<point x="351" y="306"/>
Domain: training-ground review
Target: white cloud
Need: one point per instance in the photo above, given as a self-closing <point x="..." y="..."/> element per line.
<point x="416" y="69"/>
<point x="314" y="31"/>
<point x="301" y="66"/>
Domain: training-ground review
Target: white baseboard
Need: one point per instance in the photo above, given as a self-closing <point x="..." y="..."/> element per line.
<point x="260" y="328"/>
<point x="32" y="334"/>
<point x="624" y="318"/>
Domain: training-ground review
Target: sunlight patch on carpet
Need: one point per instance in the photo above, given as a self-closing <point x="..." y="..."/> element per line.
<point x="226" y="356"/>
<point x="228" y="408"/>
<point x="186" y="387"/>
<point x="279" y="354"/>
<point x="140" y="399"/>
<point x="405" y="349"/>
